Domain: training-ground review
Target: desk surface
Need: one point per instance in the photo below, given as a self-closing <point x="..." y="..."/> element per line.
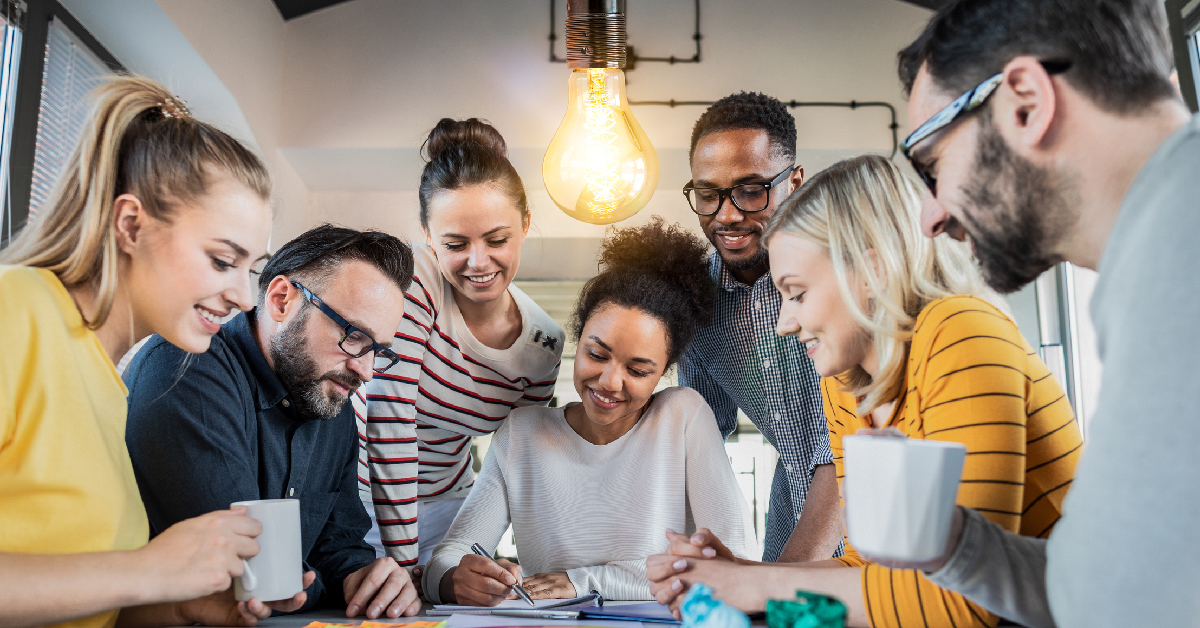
<point x="300" y="621"/>
<point x="303" y="619"/>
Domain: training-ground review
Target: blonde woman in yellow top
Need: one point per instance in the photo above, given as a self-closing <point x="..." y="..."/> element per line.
<point x="153" y="227"/>
<point x="905" y="335"/>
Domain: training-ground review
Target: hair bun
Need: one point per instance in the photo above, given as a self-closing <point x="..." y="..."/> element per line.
<point x="450" y="133"/>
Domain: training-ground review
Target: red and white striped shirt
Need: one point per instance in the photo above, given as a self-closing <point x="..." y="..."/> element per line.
<point x="448" y="387"/>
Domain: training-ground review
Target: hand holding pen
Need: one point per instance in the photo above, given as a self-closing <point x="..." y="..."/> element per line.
<point x="516" y="586"/>
<point x="480" y="581"/>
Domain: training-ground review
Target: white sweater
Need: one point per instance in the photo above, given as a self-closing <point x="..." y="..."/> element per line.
<point x="597" y="511"/>
<point x="447" y="388"/>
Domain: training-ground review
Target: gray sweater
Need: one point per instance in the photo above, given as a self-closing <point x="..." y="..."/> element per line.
<point x="1127" y="549"/>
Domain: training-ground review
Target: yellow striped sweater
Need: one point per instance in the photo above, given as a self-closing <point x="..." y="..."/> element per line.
<point x="971" y="378"/>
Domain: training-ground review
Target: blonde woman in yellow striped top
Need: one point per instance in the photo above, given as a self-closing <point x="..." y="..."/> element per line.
<point x="905" y="335"/>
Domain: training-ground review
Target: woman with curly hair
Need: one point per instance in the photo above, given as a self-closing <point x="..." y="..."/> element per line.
<point x="590" y="488"/>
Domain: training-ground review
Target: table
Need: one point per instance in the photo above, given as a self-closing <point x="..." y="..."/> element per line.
<point x="303" y="619"/>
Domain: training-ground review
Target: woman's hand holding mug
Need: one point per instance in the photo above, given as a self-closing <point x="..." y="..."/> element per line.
<point x="200" y="556"/>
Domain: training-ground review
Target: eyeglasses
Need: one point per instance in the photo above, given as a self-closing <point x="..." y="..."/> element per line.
<point x="355" y="342"/>
<point x="963" y="105"/>
<point x="747" y="197"/>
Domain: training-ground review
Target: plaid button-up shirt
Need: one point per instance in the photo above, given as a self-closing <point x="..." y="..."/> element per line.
<point x="738" y="361"/>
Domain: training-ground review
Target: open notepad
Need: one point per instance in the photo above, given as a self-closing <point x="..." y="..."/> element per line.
<point x="591" y="600"/>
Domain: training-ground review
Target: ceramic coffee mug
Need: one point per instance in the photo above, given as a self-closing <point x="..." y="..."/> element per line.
<point x="900" y="495"/>
<point x="277" y="572"/>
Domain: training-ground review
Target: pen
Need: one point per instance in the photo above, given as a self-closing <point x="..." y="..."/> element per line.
<point x="528" y="613"/>
<point x="478" y="549"/>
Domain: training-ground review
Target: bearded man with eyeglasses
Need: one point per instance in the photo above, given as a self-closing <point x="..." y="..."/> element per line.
<point x="263" y="414"/>
<point x="743" y="154"/>
<point x="1049" y="130"/>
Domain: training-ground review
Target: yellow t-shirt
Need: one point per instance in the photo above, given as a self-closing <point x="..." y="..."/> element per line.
<point x="66" y="483"/>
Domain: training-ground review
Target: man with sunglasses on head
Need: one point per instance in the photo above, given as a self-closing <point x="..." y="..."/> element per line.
<point x="743" y="162"/>
<point x="1049" y="131"/>
<point x="263" y="414"/>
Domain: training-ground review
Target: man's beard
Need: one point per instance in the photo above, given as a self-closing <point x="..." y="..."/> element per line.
<point x="748" y="263"/>
<point x="741" y="264"/>
<point x="1015" y="214"/>
<point x="297" y="371"/>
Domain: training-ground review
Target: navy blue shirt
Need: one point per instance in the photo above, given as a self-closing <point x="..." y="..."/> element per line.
<point x="208" y="430"/>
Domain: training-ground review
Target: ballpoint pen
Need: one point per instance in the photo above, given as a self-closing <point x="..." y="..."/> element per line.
<point x="537" y="613"/>
<point x="478" y="549"/>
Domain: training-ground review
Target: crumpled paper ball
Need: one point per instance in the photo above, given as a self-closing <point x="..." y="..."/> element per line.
<point x="700" y="610"/>
<point x="807" y="610"/>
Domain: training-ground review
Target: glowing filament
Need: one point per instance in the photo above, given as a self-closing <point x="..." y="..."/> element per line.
<point x="601" y="151"/>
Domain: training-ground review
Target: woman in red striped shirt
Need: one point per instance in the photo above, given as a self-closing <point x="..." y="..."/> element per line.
<point x="472" y="345"/>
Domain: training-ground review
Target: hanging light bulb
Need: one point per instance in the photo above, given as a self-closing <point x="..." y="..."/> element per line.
<point x="600" y="166"/>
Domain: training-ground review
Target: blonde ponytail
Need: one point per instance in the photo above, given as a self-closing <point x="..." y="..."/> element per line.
<point x="139" y="140"/>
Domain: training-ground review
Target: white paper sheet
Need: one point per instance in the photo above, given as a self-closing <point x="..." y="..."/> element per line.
<point x="504" y="604"/>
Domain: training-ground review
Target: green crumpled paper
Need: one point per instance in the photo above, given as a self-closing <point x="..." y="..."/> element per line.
<point x="807" y="610"/>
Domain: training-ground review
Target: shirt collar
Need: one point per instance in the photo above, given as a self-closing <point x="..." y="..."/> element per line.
<point x="240" y="331"/>
<point x="726" y="280"/>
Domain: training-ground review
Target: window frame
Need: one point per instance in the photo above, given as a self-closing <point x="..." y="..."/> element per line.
<point x="1182" y="28"/>
<point x="23" y="147"/>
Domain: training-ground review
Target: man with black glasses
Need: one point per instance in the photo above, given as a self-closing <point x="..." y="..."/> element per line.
<point x="1048" y="130"/>
<point x="263" y="414"/>
<point x="743" y="154"/>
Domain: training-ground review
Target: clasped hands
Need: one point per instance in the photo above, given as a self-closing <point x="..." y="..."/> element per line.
<point x="701" y="557"/>
<point x="742" y="583"/>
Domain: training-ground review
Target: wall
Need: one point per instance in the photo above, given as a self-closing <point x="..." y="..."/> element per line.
<point x="365" y="81"/>
<point x="146" y="41"/>
<point x="243" y="42"/>
<point x="339" y="101"/>
<point x="224" y="57"/>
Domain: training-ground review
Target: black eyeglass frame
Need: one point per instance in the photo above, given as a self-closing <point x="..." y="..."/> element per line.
<point x="347" y="329"/>
<point x="971" y="101"/>
<point x="724" y="193"/>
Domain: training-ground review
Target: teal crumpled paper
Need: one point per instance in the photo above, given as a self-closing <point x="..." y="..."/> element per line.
<point x="700" y="610"/>
<point x="807" y="610"/>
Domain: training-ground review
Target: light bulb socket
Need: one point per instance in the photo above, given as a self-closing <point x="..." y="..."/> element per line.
<point x="595" y="34"/>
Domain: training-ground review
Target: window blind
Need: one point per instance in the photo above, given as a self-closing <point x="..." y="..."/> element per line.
<point x="11" y="23"/>
<point x="71" y="71"/>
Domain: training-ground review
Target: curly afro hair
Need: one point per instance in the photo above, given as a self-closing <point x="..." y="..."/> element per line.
<point x="659" y="269"/>
<point x="749" y="110"/>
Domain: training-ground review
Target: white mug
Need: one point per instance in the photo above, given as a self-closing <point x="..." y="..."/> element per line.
<point x="900" y="495"/>
<point x="277" y="571"/>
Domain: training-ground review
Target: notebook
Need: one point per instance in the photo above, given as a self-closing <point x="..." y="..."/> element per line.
<point x="650" y="612"/>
